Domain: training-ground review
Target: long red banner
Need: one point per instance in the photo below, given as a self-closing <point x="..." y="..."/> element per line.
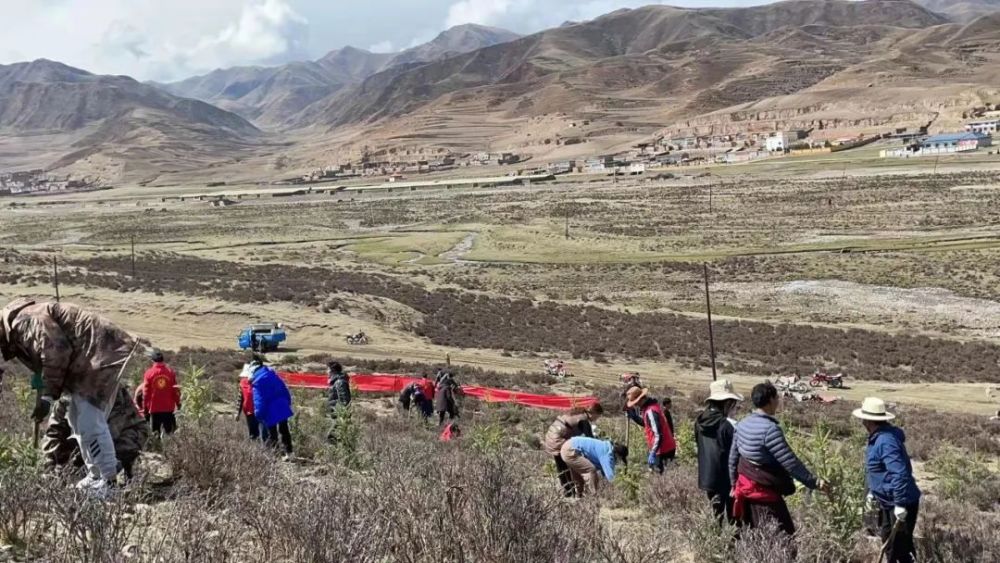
<point x="392" y="383"/>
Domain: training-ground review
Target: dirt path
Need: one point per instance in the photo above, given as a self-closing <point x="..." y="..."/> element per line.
<point x="172" y="321"/>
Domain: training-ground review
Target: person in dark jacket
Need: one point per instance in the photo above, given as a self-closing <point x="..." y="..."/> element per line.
<point x="713" y="433"/>
<point x="340" y="387"/>
<point x="659" y="438"/>
<point x="272" y="404"/>
<point x="444" y="398"/>
<point x="416" y="394"/>
<point x="762" y="465"/>
<point x="889" y="474"/>
<point x="665" y="404"/>
<point x="631" y="380"/>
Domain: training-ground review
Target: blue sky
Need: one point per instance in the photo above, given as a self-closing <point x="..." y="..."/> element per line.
<point x="173" y="39"/>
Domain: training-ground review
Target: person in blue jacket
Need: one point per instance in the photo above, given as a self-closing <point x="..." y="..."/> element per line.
<point x="272" y="404"/>
<point x="588" y="459"/>
<point x="889" y="474"/>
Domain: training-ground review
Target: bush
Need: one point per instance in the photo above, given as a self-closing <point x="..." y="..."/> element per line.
<point x="965" y="477"/>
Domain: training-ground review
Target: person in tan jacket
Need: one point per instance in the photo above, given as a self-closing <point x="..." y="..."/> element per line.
<point x="577" y="422"/>
<point x="81" y="355"/>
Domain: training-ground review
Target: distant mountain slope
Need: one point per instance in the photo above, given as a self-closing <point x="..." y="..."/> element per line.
<point x="962" y="11"/>
<point x="77" y="115"/>
<point x="48" y="96"/>
<point x="635" y="39"/>
<point x="269" y="95"/>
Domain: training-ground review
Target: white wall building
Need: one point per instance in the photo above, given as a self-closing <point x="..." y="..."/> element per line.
<point x="779" y="141"/>
<point x="984" y="127"/>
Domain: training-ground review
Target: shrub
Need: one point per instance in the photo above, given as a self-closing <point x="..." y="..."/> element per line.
<point x="196" y="393"/>
<point x="965" y="477"/>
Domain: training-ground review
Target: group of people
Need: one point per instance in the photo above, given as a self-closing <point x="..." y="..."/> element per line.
<point x="429" y="396"/>
<point x="746" y="468"/>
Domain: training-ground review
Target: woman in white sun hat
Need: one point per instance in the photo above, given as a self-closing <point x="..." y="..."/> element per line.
<point x="713" y="433"/>
<point x="891" y="486"/>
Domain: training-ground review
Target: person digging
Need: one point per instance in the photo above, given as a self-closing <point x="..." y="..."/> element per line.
<point x="80" y="355"/>
<point x="892" y="489"/>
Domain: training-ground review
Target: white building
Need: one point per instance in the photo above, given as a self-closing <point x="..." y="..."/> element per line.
<point x="985" y="127"/>
<point x="780" y="141"/>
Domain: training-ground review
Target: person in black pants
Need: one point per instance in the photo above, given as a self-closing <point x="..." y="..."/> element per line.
<point x="713" y="433"/>
<point x="892" y="488"/>
<point x="272" y="434"/>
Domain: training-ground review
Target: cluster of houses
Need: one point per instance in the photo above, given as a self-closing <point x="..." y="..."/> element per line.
<point x="397" y="166"/>
<point x="977" y="135"/>
<point x="36" y="181"/>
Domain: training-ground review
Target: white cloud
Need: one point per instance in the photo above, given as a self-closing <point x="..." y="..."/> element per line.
<point x="482" y="12"/>
<point x="382" y="47"/>
<point x="151" y="39"/>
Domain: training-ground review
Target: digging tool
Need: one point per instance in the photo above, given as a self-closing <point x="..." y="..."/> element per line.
<point x="892" y="537"/>
<point x="39" y="386"/>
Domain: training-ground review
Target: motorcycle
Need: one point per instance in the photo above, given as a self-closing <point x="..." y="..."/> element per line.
<point x="357" y="339"/>
<point x="555" y="368"/>
<point x="820" y="379"/>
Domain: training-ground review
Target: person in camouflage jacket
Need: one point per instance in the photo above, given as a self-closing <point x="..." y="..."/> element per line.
<point x="80" y="355"/>
<point x="128" y="430"/>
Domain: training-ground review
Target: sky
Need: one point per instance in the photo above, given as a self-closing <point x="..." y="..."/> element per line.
<point x="169" y="40"/>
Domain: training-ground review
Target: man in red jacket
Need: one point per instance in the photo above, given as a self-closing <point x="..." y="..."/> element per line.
<point x="160" y="395"/>
<point x="659" y="438"/>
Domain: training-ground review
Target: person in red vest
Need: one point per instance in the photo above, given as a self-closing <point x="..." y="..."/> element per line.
<point x="161" y="396"/>
<point x="245" y="404"/>
<point x="659" y="438"/>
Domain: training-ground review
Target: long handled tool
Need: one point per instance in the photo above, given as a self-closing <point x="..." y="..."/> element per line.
<point x="892" y="538"/>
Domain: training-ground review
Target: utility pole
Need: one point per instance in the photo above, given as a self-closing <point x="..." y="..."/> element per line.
<point x="710" y="187"/>
<point x="936" y="160"/>
<point x="133" y="256"/>
<point x="711" y="332"/>
<point x="55" y="275"/>
<point x="567" y="223"/>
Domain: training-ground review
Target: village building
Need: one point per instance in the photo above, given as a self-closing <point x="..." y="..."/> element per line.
<point x="984" y="127"/>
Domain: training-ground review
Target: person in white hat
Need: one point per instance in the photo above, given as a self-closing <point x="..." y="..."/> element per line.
<point x="713" y="433"/>
<point x="889" y="474"/>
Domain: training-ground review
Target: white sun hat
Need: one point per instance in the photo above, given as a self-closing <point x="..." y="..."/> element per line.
<point x="873" y="408"/>
<point x="722" y="390"/>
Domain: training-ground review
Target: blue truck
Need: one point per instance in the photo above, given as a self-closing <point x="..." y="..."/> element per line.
<point x="262" y="337"/>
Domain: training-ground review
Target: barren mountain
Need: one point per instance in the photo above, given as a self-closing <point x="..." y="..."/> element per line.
<point x="44" y="103"/>
<point x="835" y="67"/>
<point x="962" y="11"/>
<point x="455" y="41"/>
<point x="269" y="95"/>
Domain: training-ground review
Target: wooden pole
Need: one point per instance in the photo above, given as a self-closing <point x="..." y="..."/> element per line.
<point x="711" y="332"/>
<point x="567" y="222"/>
<point x="55" y="275"/>
<point x="133" y="256"/>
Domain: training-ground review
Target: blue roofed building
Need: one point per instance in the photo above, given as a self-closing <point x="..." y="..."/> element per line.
<point x="946" y="143"/>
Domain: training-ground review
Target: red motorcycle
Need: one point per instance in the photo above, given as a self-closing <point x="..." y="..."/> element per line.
<point x="820" y="379"/>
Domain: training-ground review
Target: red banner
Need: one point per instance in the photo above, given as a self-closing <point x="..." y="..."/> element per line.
<point x="391" y="383"/>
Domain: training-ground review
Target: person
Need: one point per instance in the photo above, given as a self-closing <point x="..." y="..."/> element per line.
<point x="415" y="392"/>
<point x="79" y="354"/>
<point x="762" y="465"/>
<point x="889" y="475"/>
<point x="666" y="403"/>
<point x="713" y="435"/>
<point x="587" y="458"/>
<point x="339" y="392"/>
<point x="161" y="396"/>
<point x="129" y="432"/>
<point x="272" y="404"/>
<point x="631" y="380"/>
<point x="659" y="438"/>
<point x="577" y="422"/>
<point x="444" y="398"/>
<point x="244" y="405"/>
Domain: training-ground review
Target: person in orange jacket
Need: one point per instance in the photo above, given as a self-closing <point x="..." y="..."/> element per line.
<point x="161" y="396"/>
